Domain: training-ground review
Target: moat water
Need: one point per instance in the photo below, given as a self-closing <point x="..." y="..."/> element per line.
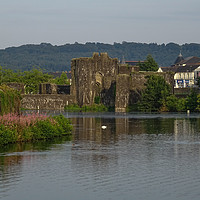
<point x="137" y="156"/>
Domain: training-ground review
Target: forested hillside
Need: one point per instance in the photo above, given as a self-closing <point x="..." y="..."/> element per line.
<point x="58" y="58"/>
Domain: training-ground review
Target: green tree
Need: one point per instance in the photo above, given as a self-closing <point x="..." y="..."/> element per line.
<point x="171" y="103"/>
<point x="7" y="75"/>
<point x="62" y="80"/>
<point x="181" y="104"/>
<point x="149" y="64"/>
<point x="155" y="95"/>
<point x="198" y="102"/>
<point x="175" y="104"/>
<point x="32" y="79"/>
<point x="191" y="100"/>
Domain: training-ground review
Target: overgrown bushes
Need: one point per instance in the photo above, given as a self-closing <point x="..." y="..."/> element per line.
<point x="15" y="128"/>
<point x="9" y="100"/>
<point x="157" y="97"/>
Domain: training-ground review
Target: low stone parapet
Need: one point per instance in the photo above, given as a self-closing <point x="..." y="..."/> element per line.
<point x="46" y="102"/>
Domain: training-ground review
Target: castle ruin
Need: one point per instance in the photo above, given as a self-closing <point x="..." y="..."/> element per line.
<point x="101" y="76"/>
<point x="98" y="77"/>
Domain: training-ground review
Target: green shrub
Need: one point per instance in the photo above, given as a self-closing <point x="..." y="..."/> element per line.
<point x="73" y="107"/>
<point x="172" y="103"/>
<point x="7" y="135"/>
<point x="44" y="128"/>
<point x="95" y="108"/>
<point x="97" y="100"/>
<point x="181" y="105"/>
<point x="52" y="127"/>
<point x="26" y="134"/>
<point x="63" y="124"/>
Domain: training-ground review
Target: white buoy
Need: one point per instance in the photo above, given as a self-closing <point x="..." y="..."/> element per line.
<point x="103" y="127"/>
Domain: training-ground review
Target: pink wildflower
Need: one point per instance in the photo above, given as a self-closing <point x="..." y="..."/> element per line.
<point x="12" y="120"/>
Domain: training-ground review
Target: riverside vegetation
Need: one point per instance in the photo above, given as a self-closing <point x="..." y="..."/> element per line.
<point x="157" y="97"/>
<point x="90" y="108"/>
<point x="9" y="100"/>
<point x="23" y="128"/>
<point x="16" y="127"/>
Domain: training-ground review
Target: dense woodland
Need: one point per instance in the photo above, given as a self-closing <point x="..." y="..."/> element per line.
<point x="58" y="58"/>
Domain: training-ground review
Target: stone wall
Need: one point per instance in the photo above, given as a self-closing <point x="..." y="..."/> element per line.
<point x="91" y="75"/>
<point x="184" y="92"/>
<point x="127" y="69"/>
<point x="116" y="85"/>
<point x="16" y="86"/>
<point x="130" y="86"/>
<point x="122" y="92"/>
<point x="49" y="88"/>
<point x="138" y="79"/>
<point x="99" y="76"/>
<point x="46" y="101"/>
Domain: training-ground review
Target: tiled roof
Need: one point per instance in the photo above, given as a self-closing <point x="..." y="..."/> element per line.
<point x="168" y="69"/>
<point x="187" y="65"/>
<point x="186" y="68"/>
<point x="190" y="60"/>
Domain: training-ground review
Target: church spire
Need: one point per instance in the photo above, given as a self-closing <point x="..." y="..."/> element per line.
<point x="179" y="58"/>
<point x="180" y="55"/>
<point x="123" y="60"/>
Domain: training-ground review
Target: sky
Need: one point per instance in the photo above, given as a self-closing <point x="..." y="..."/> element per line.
<point x="68" y="21"/>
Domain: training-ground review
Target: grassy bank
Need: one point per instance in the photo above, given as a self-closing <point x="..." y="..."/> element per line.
<point x="21" y="128"/>
<point x="89" y="108"/>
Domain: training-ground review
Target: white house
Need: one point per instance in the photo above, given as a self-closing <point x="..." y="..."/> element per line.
<point x="187" y="71"/>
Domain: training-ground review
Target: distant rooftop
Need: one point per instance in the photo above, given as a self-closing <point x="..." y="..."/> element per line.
<point x="179" y="59"/>
<point x="190" y="60"/>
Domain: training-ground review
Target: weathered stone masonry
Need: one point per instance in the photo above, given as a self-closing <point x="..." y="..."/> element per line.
<point x="50" y="97"/>
<point x="93" y="77"/>
<point x="46" y="101"/>
<point x="99" y="76"/>
<point x="116" y="85"/>
<point x="130" y="85"/>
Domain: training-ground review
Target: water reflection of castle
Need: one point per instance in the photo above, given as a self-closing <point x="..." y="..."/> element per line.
<point x="89" y="128"/>
<point x="182" y="132"/>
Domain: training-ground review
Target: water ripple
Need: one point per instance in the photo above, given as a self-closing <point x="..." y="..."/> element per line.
<point x="148" y="158"/>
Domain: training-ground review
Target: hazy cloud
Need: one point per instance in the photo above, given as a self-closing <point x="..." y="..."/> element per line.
<point x="61" y="21"/>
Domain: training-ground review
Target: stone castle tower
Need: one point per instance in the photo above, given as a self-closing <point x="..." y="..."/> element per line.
<point x="92" y="77"/>
<point x="114" y="84"/>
